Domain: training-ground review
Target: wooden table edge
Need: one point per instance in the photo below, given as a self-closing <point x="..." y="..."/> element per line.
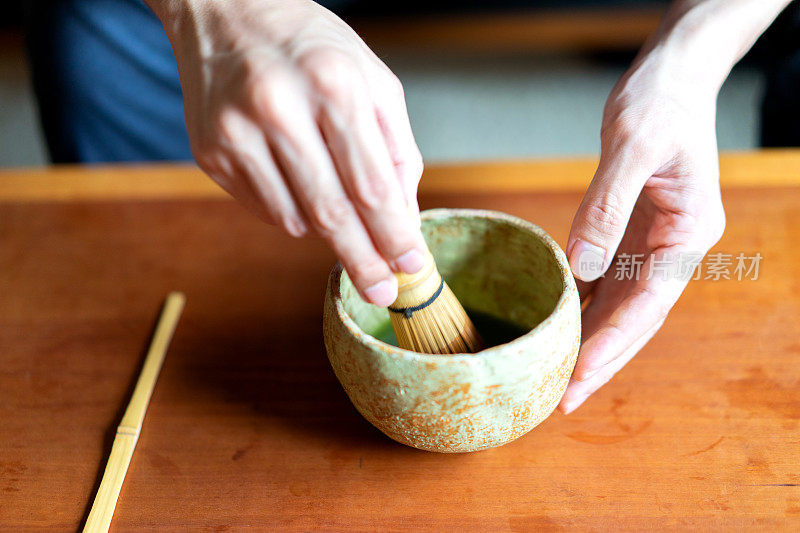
<point x="175" y="181"/>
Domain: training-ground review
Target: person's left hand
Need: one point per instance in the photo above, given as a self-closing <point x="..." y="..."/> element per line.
<point x="655" y="193"/>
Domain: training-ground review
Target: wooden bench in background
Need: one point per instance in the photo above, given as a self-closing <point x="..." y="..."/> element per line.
<point x="507" y="32"/>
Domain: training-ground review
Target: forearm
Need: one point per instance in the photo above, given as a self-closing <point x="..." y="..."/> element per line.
<point x="701" y="40"/>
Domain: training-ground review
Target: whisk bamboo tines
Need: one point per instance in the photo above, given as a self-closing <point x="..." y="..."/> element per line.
<point x="427" y="317"/>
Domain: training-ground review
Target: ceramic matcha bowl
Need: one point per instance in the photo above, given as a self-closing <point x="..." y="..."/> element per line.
<point x="497" y="265"/>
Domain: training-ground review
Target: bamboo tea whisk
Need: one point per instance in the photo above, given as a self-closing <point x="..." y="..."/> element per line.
<point x="427" y="317"/>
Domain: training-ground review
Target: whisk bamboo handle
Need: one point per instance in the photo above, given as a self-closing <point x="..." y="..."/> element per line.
<point x="427" y="317"/>
<point x="414" y="290"/>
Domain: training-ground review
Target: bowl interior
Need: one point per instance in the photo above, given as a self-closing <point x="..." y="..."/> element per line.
<point x="504" y="271"/>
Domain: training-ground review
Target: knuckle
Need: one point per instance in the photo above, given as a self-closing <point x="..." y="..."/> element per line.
<point x="267" y="93"/>
<point x="622" y="130"/>
<point x="367" y="272"/>
<point x="205" y="155"/>
<point x="605" y="214"/>
<point x="332" y="75"/>
<point x="211" y="160"/>
<point x="617" y="128"/>
<point x="206" y="147"/>
<point x="395" y="86"/>
<point x="717" y="227"/>
<point x="371" y="193"/>
<point x="662" y="311"/>
<point x="661" y="306"/>
<point x="226" y="128"/>
<point x="393" y="246"/>
<point x="416" y="165"/>
<point x="641" y="147"/>
<point x="293" y="225"/>
<point x="328" y="215"/>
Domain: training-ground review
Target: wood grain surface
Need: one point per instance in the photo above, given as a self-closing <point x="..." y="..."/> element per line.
<point x="248" y="427"/>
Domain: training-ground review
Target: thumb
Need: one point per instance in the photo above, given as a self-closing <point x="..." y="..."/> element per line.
<point x="603" y="216"/>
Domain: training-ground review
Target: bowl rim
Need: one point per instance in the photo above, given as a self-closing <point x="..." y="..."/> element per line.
<point x="442" y="213"/>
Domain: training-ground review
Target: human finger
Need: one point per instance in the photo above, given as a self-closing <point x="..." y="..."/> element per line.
<point x="579" y="391"/>
<point x="602" y="218"/>
<point x="359" y="152"/>
<point x="295" y="139"/>
<point x="250" y="154"/>
<point x="392" y="114"/>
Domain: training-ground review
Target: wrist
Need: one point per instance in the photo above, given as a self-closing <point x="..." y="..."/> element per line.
<point x="662" y="75"/>
<point x="209" y="27"/>
<point x="699" y="41"/>
<point x="689" y="49"/>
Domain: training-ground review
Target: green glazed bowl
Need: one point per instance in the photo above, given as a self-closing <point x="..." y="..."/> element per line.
<point x="498" y="265"/>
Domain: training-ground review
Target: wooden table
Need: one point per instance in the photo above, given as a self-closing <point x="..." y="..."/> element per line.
<point x="248" y="427"/>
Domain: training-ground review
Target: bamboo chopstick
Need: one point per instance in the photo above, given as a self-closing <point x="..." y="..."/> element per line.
<point x="128" y="431"/>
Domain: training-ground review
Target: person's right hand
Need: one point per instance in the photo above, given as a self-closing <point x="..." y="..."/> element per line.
<point x="291" y="113"/>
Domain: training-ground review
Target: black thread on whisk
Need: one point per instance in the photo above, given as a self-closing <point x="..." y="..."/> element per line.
<point x="408" y="311"/>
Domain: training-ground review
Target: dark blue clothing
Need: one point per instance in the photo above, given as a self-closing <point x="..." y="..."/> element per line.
<point x="108" y="90"/>
<point x="106" y="81"/>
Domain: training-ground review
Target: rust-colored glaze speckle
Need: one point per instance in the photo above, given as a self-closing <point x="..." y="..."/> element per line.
<point x="497" y="264"/>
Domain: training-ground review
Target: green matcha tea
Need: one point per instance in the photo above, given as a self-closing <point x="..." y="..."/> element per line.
<point x="494" y="331"/>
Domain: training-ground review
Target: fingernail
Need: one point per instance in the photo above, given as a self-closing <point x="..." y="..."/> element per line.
<point x="587" y="261"/>
<point x="381" y="294"/>
<point x="411" y="262"/>
<point x="594" y="349"/>
<point x="586" y="374"/>
<point x="570" y="406"/>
